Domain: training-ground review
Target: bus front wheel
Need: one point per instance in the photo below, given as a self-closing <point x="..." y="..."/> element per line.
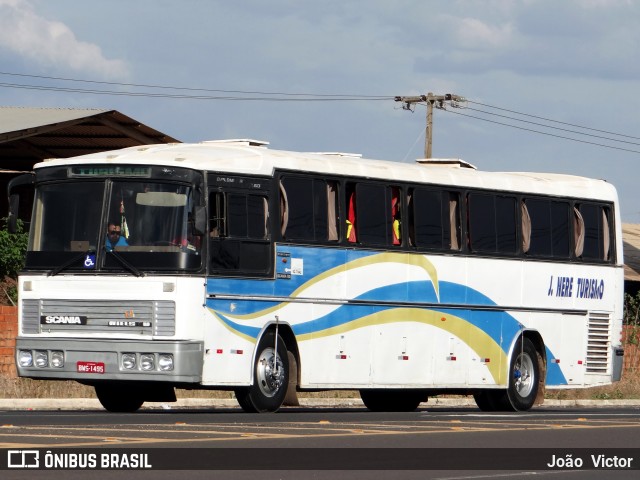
<point x="118" y="399"/>
<point x="270" y="377"/>
<point x="390" y="400"/>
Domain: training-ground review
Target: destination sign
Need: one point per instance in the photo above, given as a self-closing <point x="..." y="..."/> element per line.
<point x="110" y="171"/>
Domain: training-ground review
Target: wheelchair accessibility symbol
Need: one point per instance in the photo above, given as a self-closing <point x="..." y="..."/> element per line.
<point x="90" y="261"/>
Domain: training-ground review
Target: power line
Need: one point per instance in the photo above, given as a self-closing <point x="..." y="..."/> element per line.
<point x="308" y="96"/>
<point x="558" y="128"/>
<point x="267" y="96"/>
<point x="544" y="133"/>
<point x="554" y="121"/>
<point x="190" y="97"/>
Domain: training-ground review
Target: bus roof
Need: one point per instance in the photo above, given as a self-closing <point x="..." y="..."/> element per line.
<point x="252" y="157"/>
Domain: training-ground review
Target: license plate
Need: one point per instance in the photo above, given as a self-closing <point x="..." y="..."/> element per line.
<point x="90" y="367"/>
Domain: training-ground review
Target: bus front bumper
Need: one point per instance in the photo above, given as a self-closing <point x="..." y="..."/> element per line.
<point x="90" y="361"/>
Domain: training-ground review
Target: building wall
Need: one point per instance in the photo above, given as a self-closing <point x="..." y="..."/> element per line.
<point x="8" y="333"/>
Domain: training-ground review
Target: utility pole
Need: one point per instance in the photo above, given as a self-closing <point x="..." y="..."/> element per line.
<point x="431" y="100"/>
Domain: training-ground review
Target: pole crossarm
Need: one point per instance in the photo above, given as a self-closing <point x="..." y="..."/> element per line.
<point x="430" y="100"/>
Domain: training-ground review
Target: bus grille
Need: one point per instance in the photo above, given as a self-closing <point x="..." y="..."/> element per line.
<point x="598" y="343"/>
<point x="157" y="318"/>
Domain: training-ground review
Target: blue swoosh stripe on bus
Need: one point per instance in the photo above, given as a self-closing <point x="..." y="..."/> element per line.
<point x="497" y="328"/>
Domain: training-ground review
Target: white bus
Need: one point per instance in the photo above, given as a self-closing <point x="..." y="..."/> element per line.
<point x="227" y="265"/>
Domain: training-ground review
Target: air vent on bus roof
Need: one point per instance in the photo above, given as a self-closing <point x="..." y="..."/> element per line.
<point x="338" y="154"/>
<point x="241" y="141"/>
<point x="446" y="162"/>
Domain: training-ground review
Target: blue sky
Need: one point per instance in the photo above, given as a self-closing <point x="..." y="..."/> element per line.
<point x="570" y="61"/>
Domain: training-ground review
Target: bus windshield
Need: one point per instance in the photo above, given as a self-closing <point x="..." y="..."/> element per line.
<point x="149" y="224"/>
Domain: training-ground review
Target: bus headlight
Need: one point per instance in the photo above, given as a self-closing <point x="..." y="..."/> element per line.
<point x="57" y="359"/>
<point x="42" y="359"/>
<point x="147" y="361"/>
<point x="129" y="361"/>
<point x="165" y="362"/>
<point x="25" y="358"/>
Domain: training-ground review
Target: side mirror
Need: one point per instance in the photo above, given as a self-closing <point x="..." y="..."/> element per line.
<point x="12" y="221"/>
<point x="199" y="220"/>
<point x="14" y="198"/>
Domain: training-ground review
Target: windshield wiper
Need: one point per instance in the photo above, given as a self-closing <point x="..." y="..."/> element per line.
<point x="124" y="263"/>
<point x="66" y="265"/>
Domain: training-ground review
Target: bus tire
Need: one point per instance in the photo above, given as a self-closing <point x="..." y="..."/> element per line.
<point x="524" y="381"/>
<point x="269" y="387"/>
<point x="384" y="400"/>
<point x="488" y="400"/>
<point x="119" y="399"/>
<point x="524" y="376"/>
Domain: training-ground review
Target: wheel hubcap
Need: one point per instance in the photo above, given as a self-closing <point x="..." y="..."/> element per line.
<point x="269" y="372"/>
<point x="523" y="375"/>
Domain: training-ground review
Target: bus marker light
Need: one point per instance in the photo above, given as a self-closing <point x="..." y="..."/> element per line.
<point x="219" y="351"/>
<point x="556" y="360"/>
<point x="579" y="362"/>
<point x="404" y="357"/>
<point x="341" y="357"/>
<point x="237" y="352"/>
<point x="452" y="358"/>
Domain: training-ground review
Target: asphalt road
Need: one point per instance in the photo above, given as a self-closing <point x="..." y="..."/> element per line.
<point x="446" y="443"/>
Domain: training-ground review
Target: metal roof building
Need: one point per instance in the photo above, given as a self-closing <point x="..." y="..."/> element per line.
<point x="631" y="239"/>
<point x="30" y="135"/>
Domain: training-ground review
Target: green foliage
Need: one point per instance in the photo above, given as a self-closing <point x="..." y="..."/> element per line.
<point x="632" y="309"/>
<point x="632" y="318"/>
<point x="13" y="247"/>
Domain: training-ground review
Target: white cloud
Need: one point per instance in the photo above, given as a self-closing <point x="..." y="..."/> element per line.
<point x="37" y="39"/>
<point x="474" y="33"/>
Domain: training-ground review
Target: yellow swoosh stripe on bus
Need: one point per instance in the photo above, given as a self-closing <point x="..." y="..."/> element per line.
<point x="478" y="340"/>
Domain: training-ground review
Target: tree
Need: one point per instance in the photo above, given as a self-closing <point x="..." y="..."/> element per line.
<point x="13" y="247"/>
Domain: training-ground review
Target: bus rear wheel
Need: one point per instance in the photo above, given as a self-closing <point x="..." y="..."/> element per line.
<point x="383" y="400"/>
<point x="524" y="378"/>
<point x="270" y="377"/>
<point x="118" y="399"/>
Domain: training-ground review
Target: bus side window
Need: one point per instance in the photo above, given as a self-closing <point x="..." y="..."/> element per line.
<point x="435" y="219"/>
<point x="596" y="232"/>
<point x="239" y="236"/>
<point x="454" y="221"/>
<point x="351" y="233"/>
<point x="396" y="216"/>
<point x="373" y="210"/>
<point x="308" y="209"/>
<point x="332" y="211"/>
<point x="546" y="227"/>
<point x="492" y="223"/>
<point x="217" y="221"/>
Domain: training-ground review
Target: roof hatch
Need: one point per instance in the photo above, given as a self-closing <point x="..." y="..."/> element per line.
<point x="446" y="162"/>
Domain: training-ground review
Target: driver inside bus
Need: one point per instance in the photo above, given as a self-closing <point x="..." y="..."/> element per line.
<point x="114" y="237"/>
